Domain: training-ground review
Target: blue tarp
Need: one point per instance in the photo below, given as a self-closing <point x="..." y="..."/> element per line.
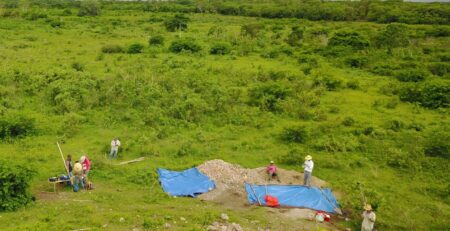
<point x="295" y="196"/>
<point x="189" y="182"/>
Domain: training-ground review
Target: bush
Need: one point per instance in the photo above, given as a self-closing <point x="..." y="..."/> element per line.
<point x="156" y="40"/>
<point x="110" y="49"/>
<point x="297" y="134"/>
<point x="331" y="83"/>
<point x="268" y="96"/>
<point x="296" y="36"/>
<point x="411" y="75"/>
<point x="439" y="69"/>
<point x="78" y="66"/>
<point x="437" y="144"/>
<point x="135" y="48"/>
<point x="395" y="125"/>
<point x="221" y="48"/>
<point x="33" y="16"/>
<point x="349" y="39"/>
<point x="180" y="45"/>
<point x="432" y="94"/>
<point x="14" y="184"/>
<point x="89" y="8"/>
<point x="356" y="61"/>
<point x="394" y="35"/>
<point x="348" y="121"/>
<point x="251" y="30"/>
<point x="293" y="157"/>
<point x="14" y="125"/>
<point x="177" y="22"/>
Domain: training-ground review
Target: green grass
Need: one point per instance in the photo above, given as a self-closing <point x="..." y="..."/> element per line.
<point x="159" y="103"/>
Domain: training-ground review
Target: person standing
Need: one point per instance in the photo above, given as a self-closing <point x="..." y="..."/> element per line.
<point x="115" y="144"/>
<point x="86" y="163"/>
<point x="308" y="168"/>
<point x="369" y="218"/>
<point x="69" y="165"/>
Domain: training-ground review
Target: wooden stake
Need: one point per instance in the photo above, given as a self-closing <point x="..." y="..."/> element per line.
<point x="62" y="156"/>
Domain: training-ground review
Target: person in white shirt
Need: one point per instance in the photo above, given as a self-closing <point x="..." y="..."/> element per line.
<point x="308" y="168"/>
<point x="369" y="218"/>
<point x="115" y="143"/>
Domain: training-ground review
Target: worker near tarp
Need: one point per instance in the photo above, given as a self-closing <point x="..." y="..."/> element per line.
<point x="308" y="168"/>
<point x="115" y="143"/>
<point x="369" y="218"/>
<point x="272" y="171"/>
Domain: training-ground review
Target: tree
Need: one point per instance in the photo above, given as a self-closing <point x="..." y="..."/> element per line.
<point x="177" y="22"/>
<point x="296" y="36"/>
<point x="394" y="35"/>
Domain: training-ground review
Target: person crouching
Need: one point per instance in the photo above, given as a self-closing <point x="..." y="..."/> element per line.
<point x="272" y="171"/>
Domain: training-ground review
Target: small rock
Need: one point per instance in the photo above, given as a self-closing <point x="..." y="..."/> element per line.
<point x="224" y="216"/>
<point x="348" y="229"/>
<point x="105" y="225"/>
<point x="135" y="229"/>
<point x="122" y="219"/>
<point x="182" y="218"/>
<point x="167" y="225"/>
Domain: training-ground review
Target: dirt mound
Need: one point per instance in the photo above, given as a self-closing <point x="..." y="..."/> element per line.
<point x="230" y="179"/>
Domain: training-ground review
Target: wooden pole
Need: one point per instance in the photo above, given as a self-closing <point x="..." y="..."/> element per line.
<point x="62" y="156"/>
<point x="254" y="193"/>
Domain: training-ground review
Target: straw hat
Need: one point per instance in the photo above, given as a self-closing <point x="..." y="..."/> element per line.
<point x="367" y="207"/>
<point x="308" y="157"/>
<point x="272" y="162"/>
<point x="77" y="168"/>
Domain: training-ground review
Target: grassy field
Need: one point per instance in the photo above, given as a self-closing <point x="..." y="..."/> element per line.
<point x="262" y="100"/>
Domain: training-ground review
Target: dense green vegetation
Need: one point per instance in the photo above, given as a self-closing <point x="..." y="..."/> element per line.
<point x="188" y="81"/>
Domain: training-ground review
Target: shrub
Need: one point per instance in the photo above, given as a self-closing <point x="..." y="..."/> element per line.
<point x="112" y="49"/>
<point x="135" y="48"/>
<point x="33" y="16"/>
<point x="357" y="61"/>
<point x="353" y="84"/>
<point x="349" y="39"/>
<point x="293" y="157"/>
<point x="177" y="22"/>
<point x="437" y="144"/>
<point x="439" y="69"/>
<point x="56" y="23"/>
<point x="14" y="184"/>
<point x="348" y="121"/>
<point x="269" y="96"/>
<point x="89" y="8"/>
<point x="297" y="134"/>
<point x="78" y="66"/>
<point x="251" y="30"/>
<point x="394" y="35"/>
<point x="271" y="54"/>
<point x="180" y="45"/>
<point x="296" y="36"/>
<point x="432" y="94"/>
<point x="221" y="48"/>
<point x="156" y="40"/>
<point x="411" y="75"/>
<point x="331" y="83"/>
<point x="395" y="125"/>
<point x="14" y="125"/>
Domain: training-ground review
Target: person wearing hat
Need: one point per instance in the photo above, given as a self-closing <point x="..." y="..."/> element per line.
<point x="77" y="175"/>
<point x="308" y="168"/>
<point x="272" y="171"/>
<point x="86" y="163"/>
<point x="369" y="218"/>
